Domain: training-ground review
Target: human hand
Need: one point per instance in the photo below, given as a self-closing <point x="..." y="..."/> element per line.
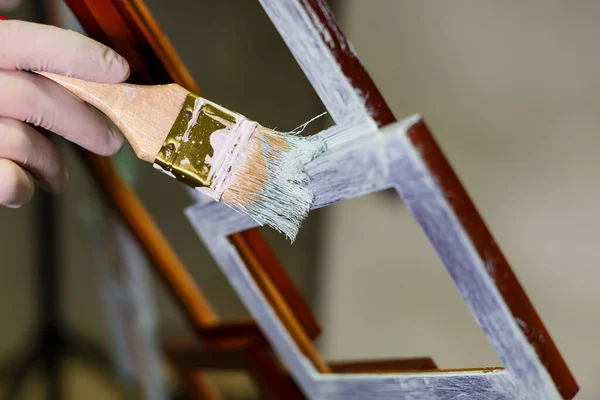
<point x="9" y="5"/>
<point x="29" y="100"/>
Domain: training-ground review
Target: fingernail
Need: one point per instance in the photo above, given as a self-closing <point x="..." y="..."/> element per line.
<point x="13" y="206"/>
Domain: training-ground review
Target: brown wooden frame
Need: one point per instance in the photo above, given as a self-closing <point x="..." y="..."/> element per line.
<point x="128" y="27"/>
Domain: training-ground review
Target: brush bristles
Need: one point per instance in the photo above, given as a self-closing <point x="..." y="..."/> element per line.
<point x="272" y="186"/>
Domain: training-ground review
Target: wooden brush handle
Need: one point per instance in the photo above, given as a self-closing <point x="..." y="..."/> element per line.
<point x="145" y="114"/>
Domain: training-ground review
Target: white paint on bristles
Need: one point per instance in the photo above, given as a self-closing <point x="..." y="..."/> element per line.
<point x="284" y="198"/>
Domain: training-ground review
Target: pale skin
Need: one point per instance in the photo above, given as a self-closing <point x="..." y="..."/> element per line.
<point x="29" y="101"/>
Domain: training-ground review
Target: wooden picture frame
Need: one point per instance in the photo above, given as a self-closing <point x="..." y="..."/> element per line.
<point x="400" y="155"/>
<point x="369" y="151"/>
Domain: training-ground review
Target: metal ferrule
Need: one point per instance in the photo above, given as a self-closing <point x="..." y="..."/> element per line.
<point x="187" y="150"/>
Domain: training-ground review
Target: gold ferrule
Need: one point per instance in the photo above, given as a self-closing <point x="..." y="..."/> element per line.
<point x="187" y="148"/>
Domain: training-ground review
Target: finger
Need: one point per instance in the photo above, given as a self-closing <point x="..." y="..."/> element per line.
<point x="29" y="149"/>
<point x="44" y="48"/>
<point x="16" y="185"/>
<point x="9" y="5"/>
<point x="36" y="100"/>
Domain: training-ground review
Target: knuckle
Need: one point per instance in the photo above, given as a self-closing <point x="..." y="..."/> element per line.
<point x="24" y="86"/>
<point x="26" y="147"/>
<point x="10" y="124"/>
<point x="30" y="95"/>
<point x="21" y="95"/>
<point x="14" y="137"/>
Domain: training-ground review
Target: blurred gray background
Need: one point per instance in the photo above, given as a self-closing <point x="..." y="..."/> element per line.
<point x="509" y="89"/>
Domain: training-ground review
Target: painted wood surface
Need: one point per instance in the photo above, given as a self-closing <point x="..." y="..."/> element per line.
<point x="434" y="195"/>
<point x="389" y="159"/>
<point x="362" y="159"/>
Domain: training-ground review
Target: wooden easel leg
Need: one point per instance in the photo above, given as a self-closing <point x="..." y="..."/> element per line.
<point x="271" y="379"/>
<point x="197" y="386"/>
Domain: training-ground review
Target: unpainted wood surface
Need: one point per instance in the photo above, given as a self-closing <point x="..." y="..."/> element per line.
<point x="143" y="113"/>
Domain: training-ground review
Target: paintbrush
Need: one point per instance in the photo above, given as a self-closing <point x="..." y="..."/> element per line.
<point x="222" y="154"/>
